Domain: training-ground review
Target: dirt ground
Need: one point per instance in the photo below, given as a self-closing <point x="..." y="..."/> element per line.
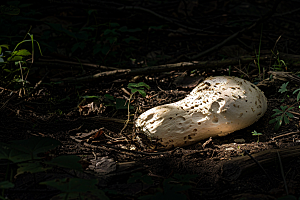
<point x="90" y="124"/>
<point x="223" y="166"/>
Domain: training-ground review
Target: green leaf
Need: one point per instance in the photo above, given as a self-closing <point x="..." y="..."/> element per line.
<point x="110" y="97"/>
<point x="6" y="185"/>
<point x="279" y="122"/>
<point x="142" y="92"/>
<point x="286" y="120"/>
<point x="276" y="114"/>
<point x="141" y="84"/>
<point x="94" y="97"/>
<point x="137" y="85"/>
<point x="35" y="145"/>
<point x="290" y="108"/>
<point x="15" y="58"/>
<point x="113" y="25"/>
<point x="66" y="161"/>
<point x="296" y="90"/>
<point x="72" y="185"/>
<point x="122" y="104"/>
<point x="14" y="155"/>
<point x="283" y="107"/>
<point x="133" y="91"/>
<point x="273" y="121"/>
<point x="3" y="46"/>
<point x="277" y="110"/>
<point x="22" y="52"/>
<point x="30" y="167"/>
<point x="77" y="45"/>
<point x="283" y="87"/>
<point x="129" y="39"/>
<point x="290" y="115"/>
<point x="256" y="133"/>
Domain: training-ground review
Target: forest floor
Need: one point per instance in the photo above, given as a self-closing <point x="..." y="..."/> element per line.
<point x="88" y="117"/>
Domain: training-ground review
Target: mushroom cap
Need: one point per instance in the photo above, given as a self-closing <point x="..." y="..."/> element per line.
<point x="216" y="107"/>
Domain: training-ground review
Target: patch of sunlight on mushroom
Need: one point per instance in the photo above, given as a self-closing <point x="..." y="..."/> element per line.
<point x="216" y="107"/>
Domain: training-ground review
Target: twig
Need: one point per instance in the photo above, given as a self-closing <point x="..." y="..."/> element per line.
<point x="286" y="134"/>
<point x="122" y="73"/>
<point x="112" y="148"/>
<point x="259" y="165"/>
<point x="282" y="174"/>
<point x="206" y="142"/>
<point x="43" y="61"/>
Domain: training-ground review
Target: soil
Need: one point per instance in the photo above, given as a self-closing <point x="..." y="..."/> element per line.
<point x="223" y="165"/>
<point x="236" y="166"/>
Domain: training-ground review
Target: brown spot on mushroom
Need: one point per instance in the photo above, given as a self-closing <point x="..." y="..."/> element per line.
<point x="195" y="130"/>
<point x="215" y="120"/>
<point x="199" y="123"/>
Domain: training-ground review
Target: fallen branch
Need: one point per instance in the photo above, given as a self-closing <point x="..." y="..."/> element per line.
<point x="122" y="73"/>
<point x="240" y="166"/>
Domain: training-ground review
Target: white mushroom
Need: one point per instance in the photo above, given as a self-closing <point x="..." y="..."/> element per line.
<point x="216" y="107"/>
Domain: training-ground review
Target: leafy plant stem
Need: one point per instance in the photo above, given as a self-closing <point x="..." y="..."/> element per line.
<point x="258" y="56"/>
<point x="128" y="113"/>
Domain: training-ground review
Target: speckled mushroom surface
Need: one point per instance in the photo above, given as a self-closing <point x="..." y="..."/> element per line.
<point x="216" y="107"/>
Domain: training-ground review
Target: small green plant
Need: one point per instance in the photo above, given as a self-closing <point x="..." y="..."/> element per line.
<point x="281" y="116"/>
<point x="283" y="88"/>
<point x="254" y="133"/>
<point x="284" y="113"/>
<point x="280" y="64"/>
<point x="135" y="87"/>
<point x="13" y="64"/>
<point x="258" y="57"/>
<point x="117" y="103"/>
